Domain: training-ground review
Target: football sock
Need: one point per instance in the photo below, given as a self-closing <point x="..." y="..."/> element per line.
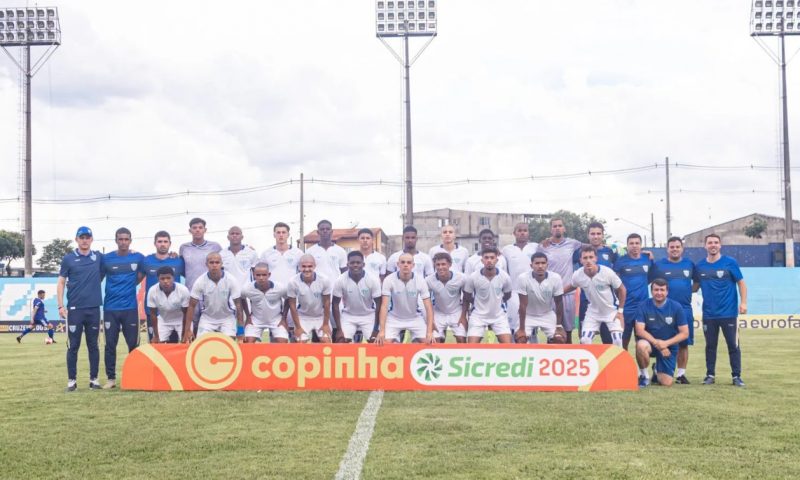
<point x="616" y="338"/>
<point x="643" y="372"/>
<point x="681" y="372"/>
<point x="25" y="332"/>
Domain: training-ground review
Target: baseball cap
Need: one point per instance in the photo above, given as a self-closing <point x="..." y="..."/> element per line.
<point x="84" y="231"/>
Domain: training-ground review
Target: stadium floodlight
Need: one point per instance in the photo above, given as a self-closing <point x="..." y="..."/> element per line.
<point x="778" y="18"/>
<point x="28" y="27"/>
<point x="404" y="19"/>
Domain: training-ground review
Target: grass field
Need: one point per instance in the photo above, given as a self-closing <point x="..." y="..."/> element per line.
<point x="683" y="432"/>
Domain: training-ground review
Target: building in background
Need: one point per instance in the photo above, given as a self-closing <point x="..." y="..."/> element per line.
<point x="753" y="229"/>
<point x="347" y="238"/>
<point x="467" y="224"/>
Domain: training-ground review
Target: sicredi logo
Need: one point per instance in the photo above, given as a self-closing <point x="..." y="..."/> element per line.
<point x="512" y="367"/>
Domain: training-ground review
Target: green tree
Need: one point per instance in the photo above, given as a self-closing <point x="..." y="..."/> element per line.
<point x="53" y="253"/>
<point x="756" y="227"/>
<point x="12" y="246"/>
<point x="576" y="225"/>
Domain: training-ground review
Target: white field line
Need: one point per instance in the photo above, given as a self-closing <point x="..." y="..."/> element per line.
<point x="353" y="460"/>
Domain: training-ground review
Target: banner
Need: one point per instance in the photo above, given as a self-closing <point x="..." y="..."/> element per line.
<point x="216" y="362"/>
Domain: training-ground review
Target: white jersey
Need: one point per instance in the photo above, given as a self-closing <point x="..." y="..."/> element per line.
<point x="487" y="295"/>
<point x="330" y="261"/>
<point x="405" y="296"/>
<point x="170" y="307"/>
<point x="475" y="264"/>
<point x="309" y="297"/>
<point x="423" y="266"/>
<point x="239" y="265"/>
<point x="216" y="299"/>
<point x="559" y="256"/>
<point x="375" y="264"/>
<point x="358" y="297"/>
<point x="265" y="307"/>
<point x="446" y="295"/>
<point x="459" y="256"/>
<point x="519" y="259"/>
<point x="540" y="294"/>
<point x="282" y="265"/>
<point x="599" y="289"/>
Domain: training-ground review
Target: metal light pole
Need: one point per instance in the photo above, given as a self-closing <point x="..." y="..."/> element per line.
<point x="26" y="27"/>
<point x="769" y="19"/>
<point x="669" y="212"/>
<point x="412" y="18"/>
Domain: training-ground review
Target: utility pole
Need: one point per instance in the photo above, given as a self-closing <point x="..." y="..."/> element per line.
<point x="302" y="245"/>
<point x="669" y="212"/>
<point x="409" y="181"/>
<point x="652" y="230"/>
<point x="787" y="183"/>
<point x="27" y="232"/>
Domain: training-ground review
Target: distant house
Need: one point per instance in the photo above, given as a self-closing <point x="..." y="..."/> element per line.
<point x="347" y="238"/>
<point x="733" y="231"/>
<point x="468" y="224"/>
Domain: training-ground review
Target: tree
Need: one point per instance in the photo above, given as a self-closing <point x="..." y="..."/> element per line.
<point x="53" y="253"/>
<point x="12" y="246"/>
<point x="576" y="225"/>
<point x="756" y="227"/>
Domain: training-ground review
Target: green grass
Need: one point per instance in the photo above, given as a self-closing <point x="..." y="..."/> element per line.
<point x="680" y="432"/>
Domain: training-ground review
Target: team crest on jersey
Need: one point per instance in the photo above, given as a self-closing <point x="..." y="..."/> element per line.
<point x="108" y="325"/>
<point x="365" y="292"/>
<point x="133" y="267"/>
<point x="720" y="273"/>
<point x="453" y="290"/>
<point x="72" y="328"/>
<point x="645" y="268"/>
<point x="686" y="273"/>
<point x="605" y="256"/>
<point x="93" y="257"/>
<point x="668" y="320"/>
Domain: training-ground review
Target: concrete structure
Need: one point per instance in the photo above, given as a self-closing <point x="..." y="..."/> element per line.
<point x="732" y="232"/>
<point x="347" y="238"/>
<point x="467" y="224"/>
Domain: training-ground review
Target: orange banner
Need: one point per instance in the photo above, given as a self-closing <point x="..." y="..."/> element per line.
<point x="215" y="362"/>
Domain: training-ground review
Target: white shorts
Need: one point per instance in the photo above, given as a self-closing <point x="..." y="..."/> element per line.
<point x="545" y="323"/>
<point x="395" y="325"/>
<point x="478" y="325"/>
<point x="591" y="323"/>
<point x="352" y="323"/>
<point x="443" y="321"/>
<point x="256" y="330"/>
<point x="165" y="331"/>
<point x="512" y="310"/>
<point x="311" y="324"/>
<point x="227" y="327"/>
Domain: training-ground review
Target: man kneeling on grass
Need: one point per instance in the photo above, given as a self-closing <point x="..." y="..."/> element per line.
<point x="660" y="326"/>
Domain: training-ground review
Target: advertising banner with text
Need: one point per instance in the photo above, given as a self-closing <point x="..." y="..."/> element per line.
<point x="216" y="362"/>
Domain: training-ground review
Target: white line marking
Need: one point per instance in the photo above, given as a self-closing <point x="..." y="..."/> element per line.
<point x="353" y="460"/>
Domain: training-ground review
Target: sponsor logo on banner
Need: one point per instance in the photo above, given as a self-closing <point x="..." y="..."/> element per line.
<point x="509" y="367"/>
<point x="216" y="362"/>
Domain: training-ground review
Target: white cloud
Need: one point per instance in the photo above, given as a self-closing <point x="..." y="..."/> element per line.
<point x="172" y="96"/>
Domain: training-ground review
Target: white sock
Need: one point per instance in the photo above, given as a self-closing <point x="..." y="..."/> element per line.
<point x="643" y="372"/>
<point x="681" y="372"/>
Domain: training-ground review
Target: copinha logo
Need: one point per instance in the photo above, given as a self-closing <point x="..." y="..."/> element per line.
<point x="214" y="361"/>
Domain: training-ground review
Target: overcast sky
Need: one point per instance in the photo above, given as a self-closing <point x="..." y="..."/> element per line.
<point x="156" y="97"/>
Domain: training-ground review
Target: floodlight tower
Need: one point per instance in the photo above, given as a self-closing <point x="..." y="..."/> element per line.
<point x="28" y="27"/>
<point x="404" y="19"/>
<point x="778" y="18"/>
